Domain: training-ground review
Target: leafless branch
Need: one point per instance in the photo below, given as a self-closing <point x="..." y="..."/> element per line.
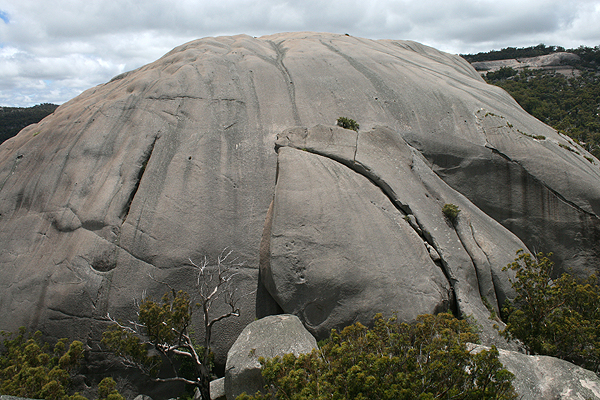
<point x="213" y="282"/>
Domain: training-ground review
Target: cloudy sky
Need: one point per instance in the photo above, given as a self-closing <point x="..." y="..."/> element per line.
<point x="50" y="51"/>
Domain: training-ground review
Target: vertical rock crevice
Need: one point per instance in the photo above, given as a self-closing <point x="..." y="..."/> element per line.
<point x="480" y="260"/>
<point x="143" y="163"/>
<point x="265" y="304"/>
<point x="280" y="51"/>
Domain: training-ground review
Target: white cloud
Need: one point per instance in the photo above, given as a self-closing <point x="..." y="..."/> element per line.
<point x="71" y="45"/>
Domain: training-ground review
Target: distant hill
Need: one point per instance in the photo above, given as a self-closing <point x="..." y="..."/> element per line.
<point x="559" y="87"/>
<point x="13" y="119"/>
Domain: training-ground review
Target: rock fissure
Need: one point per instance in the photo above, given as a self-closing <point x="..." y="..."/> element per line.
<point x="365" y="172"/>
<point x="288" y="80"/>
<point x="404" y="209"/>
<point x="355" y="149"/>
<point x="68" y="315"/>
<point x="469" y="251"/>
<point x="143" y="162"/>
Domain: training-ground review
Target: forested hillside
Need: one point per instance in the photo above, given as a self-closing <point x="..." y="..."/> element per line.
<point x="570" y="104"/>
<point x="13" y="119"/>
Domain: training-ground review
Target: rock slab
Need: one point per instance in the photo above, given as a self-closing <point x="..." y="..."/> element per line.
<point x="268" y="337"/>
<point x="548" y="378"/>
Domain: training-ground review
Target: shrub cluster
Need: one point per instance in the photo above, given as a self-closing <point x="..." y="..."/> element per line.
<point x="29" y="368"/>
<point x="348" y="123"/>
<point x="556" y="317"/>
<point x="451" y="211"/>
<point x="424" y="360"/>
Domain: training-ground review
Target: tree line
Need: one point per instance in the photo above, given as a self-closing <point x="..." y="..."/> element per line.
<point x="13" y="119"/>
<point x="589" y="56"/>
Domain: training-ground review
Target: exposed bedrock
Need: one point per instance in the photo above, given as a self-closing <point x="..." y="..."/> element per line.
<point x="357" y="219"/>
<point x="548" y="197"/>
<point x="122" y="186"/>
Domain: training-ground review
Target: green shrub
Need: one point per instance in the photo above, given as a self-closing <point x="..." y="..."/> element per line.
<point x="107" y="390"/>
<point x="554" y="317"/>
<point x="424" y="360"/>
<point x="348" y="123"/>
<point x="451" y="211"/>
<point x="28" y="368"/>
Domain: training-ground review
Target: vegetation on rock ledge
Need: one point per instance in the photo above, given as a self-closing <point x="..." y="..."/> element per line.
<point x="348" y="123"/>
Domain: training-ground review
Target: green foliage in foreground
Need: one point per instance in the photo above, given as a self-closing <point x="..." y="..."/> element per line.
<point x="559" y="318"/>
<point x="348" y="123"/>
<point x="424" y="360"/>
<point x="29" y="369"/>
<point x="107" y="390"/>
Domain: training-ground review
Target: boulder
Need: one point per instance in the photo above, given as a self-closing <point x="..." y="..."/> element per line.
<point x="217" y="390"/>
<point x="267" y="337"/>
<point x="360" y="216"/>
<point x="548" y="378"/>
<point x="126" y="185"/>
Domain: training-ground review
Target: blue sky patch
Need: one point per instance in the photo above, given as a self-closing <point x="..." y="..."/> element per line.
<point x="4" y="16"/>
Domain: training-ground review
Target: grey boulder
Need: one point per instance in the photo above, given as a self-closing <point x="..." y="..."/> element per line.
<point x="357" y="228"/>
<point x="268" y="337"/>
<point x="217" y="390"/>
<point x="548" y="378"/>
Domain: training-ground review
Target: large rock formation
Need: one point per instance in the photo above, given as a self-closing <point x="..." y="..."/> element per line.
<point x="127" y="184"/>
<point x="556" y="62"/>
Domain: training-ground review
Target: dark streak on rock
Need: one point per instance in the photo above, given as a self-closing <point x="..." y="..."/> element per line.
<point x="287" y="78"/>
<point x="143" y="163"/>
<point x="543" y="184"/>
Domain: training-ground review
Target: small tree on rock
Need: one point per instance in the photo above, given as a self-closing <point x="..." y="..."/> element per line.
<point x="555" y="317"/>
<point x="451" y="211"/>
<point x="165" y="326"/>
<point x="348" y="123"/>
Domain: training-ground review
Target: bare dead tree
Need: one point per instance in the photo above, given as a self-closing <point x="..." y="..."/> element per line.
<point x="165" y="326"/>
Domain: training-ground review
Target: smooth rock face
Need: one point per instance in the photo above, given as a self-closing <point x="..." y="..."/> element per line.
<point x="123" y="185"/>
<point x="340" y="250"/>
<point x="344" y="202"/>
<point x="548" y="378"/>
<point x="268" y="337"/>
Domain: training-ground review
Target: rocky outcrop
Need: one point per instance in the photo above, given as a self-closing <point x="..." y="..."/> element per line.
<point x="548" y="378"/>
<point x="126" y="185"/>
<point x="357" y="227"/>
<point x="557" y="62"/>
<point x="268" y="337"/>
